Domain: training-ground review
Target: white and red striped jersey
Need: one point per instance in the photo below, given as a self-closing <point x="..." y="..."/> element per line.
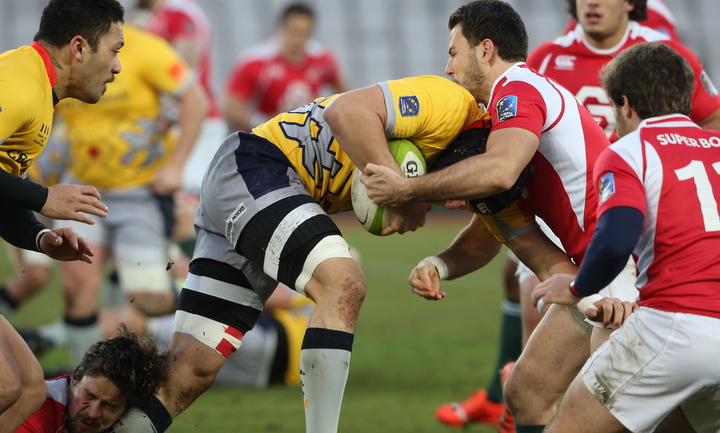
<point x="50" y="418"/>
<point x="573" y="62"/>
<point x="669" y="169"/>
<point x="185" y="19"/>
<point x="560" y="191"/>
<point x="272" y="85"/>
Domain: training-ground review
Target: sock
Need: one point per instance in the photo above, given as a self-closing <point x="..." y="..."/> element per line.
<point x="55" y="332"/>
<point x="324" y="367"/>
<point x="8" y="305"/>
<point x="510" y="346"/>
<point x="529" y="428"/>
<point x="82" y="333"/>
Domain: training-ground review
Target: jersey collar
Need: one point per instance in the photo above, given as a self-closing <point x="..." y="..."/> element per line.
<point x="48" y="63"/>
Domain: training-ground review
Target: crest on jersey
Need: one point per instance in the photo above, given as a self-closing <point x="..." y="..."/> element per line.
<point x="607" y="186"/>
<point x="507" y="108"/>
<point x="707" y="84"/>
<point x="409" y="106"/>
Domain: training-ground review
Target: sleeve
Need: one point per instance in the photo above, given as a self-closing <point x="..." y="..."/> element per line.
<point x="164" y="69"/>
<point x="429" y="110"/>
<point x="519" y="105"/>
<point x="19" y="227"/>
<point x="617" y="183"/>
<point x="705" y="98"/>
<point x="243" y="79"/>
<point x="16" y="191"/>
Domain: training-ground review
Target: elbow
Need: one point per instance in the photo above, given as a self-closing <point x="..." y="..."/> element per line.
<point x="334" y="113"/>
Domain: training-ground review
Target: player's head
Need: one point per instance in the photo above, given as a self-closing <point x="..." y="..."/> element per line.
<point x="472" y="142"/>
<point x="479" y="31"/>
<point x="84" y="37"/>
<point x="606" y="18"/>
<point x="114" y="374"/>
<point x="652" y="78"/>
<point x="295" y="27"/>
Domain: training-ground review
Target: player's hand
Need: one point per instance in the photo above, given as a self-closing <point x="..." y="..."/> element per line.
<point x="610" y="311"/>
<point x="385" y="186"/>
<point x="167" y="180"/>
<point x="406" y="218"/>
<point x="65" y="245"/>
<point x="554" y="290"/>
<point x="425" y="281"/>
<point x="66" y="202"/>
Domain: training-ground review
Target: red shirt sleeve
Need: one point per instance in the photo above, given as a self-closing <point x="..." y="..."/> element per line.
<point x="180" y="25"/>
<point x="48" y="419"/>
<point x="518" y="105"/>
<point x="617" y="183"/>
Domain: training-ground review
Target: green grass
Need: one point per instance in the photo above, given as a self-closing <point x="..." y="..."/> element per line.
<point x="410" y="355"/>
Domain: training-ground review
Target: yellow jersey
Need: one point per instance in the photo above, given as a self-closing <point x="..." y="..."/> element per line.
<point x="27" y="103"/>
<point x="430" y="111"/>
<point x="120" y="142"/>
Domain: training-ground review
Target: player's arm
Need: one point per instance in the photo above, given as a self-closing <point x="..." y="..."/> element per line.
<point x="509" y="150"/>
<point x="16" y="191"/>
<point x="238" y="107"/>
<point x="474" y="247"/>
<point x="357" y="120"/>
<point x="193" y="110"/>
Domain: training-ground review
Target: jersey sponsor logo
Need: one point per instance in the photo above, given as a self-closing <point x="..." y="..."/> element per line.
<point x="230" y="223"/>
<point x="707" y="84"/>
<point x="409" y="106"/>
<point x="565" y="62"/>
<point x="607" y="186"/>
<point x="671" y="138"/>
<point x="19" y="157"/>
<point x="507" y="108"/>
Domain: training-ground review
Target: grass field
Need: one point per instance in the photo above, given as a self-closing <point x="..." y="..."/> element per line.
<point x="409" y="355"/>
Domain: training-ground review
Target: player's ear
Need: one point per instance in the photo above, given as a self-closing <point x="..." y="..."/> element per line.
<point x="78" y="47"/>
<point x="626" y="109"/>
<point x="487" y="49"/>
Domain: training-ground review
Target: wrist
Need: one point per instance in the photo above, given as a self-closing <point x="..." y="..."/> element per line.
<point x="38" y="238"/>
<point x="440" y="266"/>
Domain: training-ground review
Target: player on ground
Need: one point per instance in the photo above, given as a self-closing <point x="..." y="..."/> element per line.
<point x="534" y="119"/>
<point x="669" y="346"/>
<point x="114" y="375"/>
<point x="74" y="55"/>
<point x="263" y="219"/>
<point x="281" y="73"/>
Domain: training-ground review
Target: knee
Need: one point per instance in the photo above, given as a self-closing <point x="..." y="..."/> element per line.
<point x="513" y="390"/>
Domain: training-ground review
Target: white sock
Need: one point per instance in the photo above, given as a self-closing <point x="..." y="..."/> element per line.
<point x="81" y="337"/>
<point x="55" y="332"/>
<point x="324" y="367"/>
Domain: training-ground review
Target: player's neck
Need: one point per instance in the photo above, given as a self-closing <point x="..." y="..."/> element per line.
<point x="606" y="41"/>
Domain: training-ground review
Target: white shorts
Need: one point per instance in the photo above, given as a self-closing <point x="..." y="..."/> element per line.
<point x="656" y="362"/>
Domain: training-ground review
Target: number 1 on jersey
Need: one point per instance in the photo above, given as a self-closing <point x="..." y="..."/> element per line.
<point x="708" y="205"/>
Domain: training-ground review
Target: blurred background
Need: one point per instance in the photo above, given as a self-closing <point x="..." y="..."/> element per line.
<point x="376" y="40"/>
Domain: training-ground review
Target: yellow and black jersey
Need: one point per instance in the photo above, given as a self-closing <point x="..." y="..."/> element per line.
<point x="26" y="106"/>
<point x="430" y="111"/>
<point x="122" y="141"/>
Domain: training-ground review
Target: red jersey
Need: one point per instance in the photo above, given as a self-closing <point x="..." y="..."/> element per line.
<point x="175" y="19"/>
<point x="50" y="418"/>
<point x="659" y="18"/>
<point x="574" y="63"/>
<point x="560" y="191"/>
<point x="669" y="169"/>
<point x="273" y="85"/>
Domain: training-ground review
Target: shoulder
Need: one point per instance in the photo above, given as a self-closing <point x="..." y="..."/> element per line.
<point x="641" y="33"/>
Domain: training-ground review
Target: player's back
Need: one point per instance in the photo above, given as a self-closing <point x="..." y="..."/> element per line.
<point x="678" y="253"/>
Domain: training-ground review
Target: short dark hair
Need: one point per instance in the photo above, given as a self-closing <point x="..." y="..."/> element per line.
<point x="131" y="362"/>
<point x="62" y="20"/>
<point x="654" y="77"/>
<point x="639" y="13"/>
<point x="296" y="9"/>
<point x="494" y="20"/>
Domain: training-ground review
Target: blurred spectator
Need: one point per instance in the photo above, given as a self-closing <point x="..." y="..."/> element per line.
<point x="659" y="17"/>
<point x="286" y="71"/>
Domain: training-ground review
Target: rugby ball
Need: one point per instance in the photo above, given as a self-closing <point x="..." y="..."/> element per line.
<point x="371" y="216"/>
